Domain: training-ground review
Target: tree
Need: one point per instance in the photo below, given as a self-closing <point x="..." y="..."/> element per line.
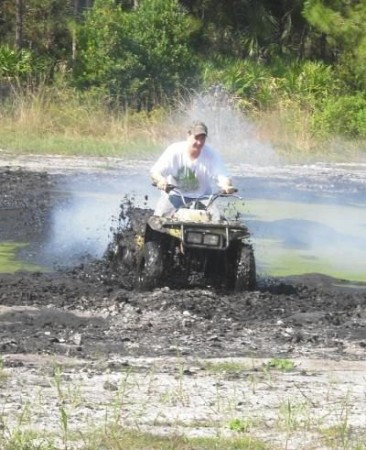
<point x="343" y="26"/>
<point x="142" y="52"/>
<point x="257" y="29"/>
<point x="19" y="4"/>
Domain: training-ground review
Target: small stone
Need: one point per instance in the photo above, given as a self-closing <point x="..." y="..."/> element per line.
<point x="109" y="386"/>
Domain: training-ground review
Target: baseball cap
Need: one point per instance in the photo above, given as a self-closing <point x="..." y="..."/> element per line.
<point x="198" y="128"/>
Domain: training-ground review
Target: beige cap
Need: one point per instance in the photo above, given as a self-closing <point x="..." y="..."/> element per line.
<point x="198" y="128"/>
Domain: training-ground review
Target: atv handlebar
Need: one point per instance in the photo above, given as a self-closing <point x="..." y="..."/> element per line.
<point x="169" y="187"/>
<point x="211" y="197"/>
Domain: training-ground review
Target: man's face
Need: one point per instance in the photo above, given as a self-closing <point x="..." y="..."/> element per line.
<point x="195" y="144"/>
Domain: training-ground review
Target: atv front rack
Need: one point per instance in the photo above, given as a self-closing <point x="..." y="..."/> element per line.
<point x="210" y="236"/>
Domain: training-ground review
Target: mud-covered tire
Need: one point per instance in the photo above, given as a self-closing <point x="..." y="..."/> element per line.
<point x="150" y="267"/>
<point x="124" y="251"/>
<point x="245" y="272"/>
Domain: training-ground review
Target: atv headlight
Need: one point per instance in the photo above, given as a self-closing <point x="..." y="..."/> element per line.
<point x="211" y="239"/>
<point x="194" y="238"/>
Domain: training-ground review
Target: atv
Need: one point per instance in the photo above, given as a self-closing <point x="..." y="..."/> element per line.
<point x="193" y="241"/>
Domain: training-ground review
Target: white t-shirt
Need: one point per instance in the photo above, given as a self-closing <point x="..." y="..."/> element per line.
<point x="193" y="177"/>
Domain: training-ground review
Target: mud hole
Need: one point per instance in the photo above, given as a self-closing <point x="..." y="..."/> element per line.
<point x="190" y="360"/>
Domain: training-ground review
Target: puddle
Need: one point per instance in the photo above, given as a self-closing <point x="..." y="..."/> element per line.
<point x="295" y="238"/>
<point x="299" y="224"/>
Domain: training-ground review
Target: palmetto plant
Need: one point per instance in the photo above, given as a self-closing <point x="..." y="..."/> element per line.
<point x="14" y="63"/>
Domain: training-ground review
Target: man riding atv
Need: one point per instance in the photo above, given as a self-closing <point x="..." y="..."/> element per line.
<point x="193" y="166"/>
<point x="184" y="236"/>
<point x="188" y="238"/>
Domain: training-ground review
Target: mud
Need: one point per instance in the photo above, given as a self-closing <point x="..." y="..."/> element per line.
<point x="91" y="313"/>
<point x="312" y="314"/>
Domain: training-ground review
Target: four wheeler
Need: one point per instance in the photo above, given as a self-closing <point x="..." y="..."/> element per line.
<point x="196" y="239"/>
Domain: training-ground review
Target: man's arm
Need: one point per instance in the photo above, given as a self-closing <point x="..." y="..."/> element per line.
<point x="161" y="171"/>
<point x="158" y="180"/>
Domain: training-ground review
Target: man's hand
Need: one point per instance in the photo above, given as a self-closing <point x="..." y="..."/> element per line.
<point x="162" y="184"/>
<point x="229" y="189"/>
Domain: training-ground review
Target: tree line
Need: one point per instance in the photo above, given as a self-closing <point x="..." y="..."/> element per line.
<point x="319" y="29"/>
<point x="141" y="51"/>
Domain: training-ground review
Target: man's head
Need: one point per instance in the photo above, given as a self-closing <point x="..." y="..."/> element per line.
<point x="198" y="128"/>
<point x="197" y="134"/>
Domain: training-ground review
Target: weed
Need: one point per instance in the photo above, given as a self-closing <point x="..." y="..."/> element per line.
<point x="240" y="425"/>
<point x="294" y="416"/>
<point x="27" y="440"/>
<point x="225" y="367"/>
<point x="284" y="365"/>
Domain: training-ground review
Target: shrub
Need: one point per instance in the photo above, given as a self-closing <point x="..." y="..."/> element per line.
<point x="14" y="63"/>
<point x="342" y="116"/>
<point x="143" y="53"/>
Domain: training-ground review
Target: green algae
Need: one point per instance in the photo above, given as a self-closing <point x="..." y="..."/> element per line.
<point x="10" y="261"/>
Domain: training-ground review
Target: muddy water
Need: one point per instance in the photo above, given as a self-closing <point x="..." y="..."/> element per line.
<point x="303" y="219"/>
<point x="306" y="224"/>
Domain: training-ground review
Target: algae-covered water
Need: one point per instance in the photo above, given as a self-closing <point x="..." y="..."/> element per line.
<point x="10" y="261"/>
<point x="295" y="238"/>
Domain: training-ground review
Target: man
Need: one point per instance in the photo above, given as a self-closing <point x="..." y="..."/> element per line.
<point x="192" y="166"/>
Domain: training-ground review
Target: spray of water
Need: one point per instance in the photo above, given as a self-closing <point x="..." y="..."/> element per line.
<point x="84" y="225"/>
<point x="229" y="130"/>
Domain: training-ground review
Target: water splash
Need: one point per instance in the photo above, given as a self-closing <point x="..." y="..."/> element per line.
<point x="229" y="130"/>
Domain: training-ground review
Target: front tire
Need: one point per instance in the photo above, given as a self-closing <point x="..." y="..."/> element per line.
<point x="150" y="267"/>
<point x="245" y="276"/>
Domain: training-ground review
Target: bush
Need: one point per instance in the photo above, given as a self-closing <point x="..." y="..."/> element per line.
<point x="342" y="116"/>
<point x="309" y="82"/>
<point x="141" y="54"/>
<point x="14" y="63"/>
<point x="251" y="83"/>
<point x="264" y="87"/>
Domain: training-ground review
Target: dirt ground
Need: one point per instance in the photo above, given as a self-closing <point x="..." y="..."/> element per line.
<point x="91" y="321"/>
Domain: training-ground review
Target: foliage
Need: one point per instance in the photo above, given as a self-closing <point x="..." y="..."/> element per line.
<point x="345" y="115"/>
<point x="143" y="53"/>
<point x="309" y="83"/>
<point x="46" y="27"/>
<point x="344" y="26"/>
<point x="260" y="86"/>
<point x="306" y="56"/>
<point x="14" y="63"/>
<point x="248" y="81"/>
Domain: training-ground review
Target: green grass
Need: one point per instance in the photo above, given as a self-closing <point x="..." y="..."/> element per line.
<point x="283" y="365"/>
<point x="118" y="438"/>
<point x="54" y="144"/>
<point x="64" y="122"/>
<point x="135" y="440"/>
<point x="225" y="367"/>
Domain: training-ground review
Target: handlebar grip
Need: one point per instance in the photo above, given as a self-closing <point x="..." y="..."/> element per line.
<point x="169" y="187"/>
<point x="222" y="192"/>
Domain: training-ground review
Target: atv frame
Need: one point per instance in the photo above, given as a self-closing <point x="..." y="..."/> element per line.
<point x="191" y="243"/>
